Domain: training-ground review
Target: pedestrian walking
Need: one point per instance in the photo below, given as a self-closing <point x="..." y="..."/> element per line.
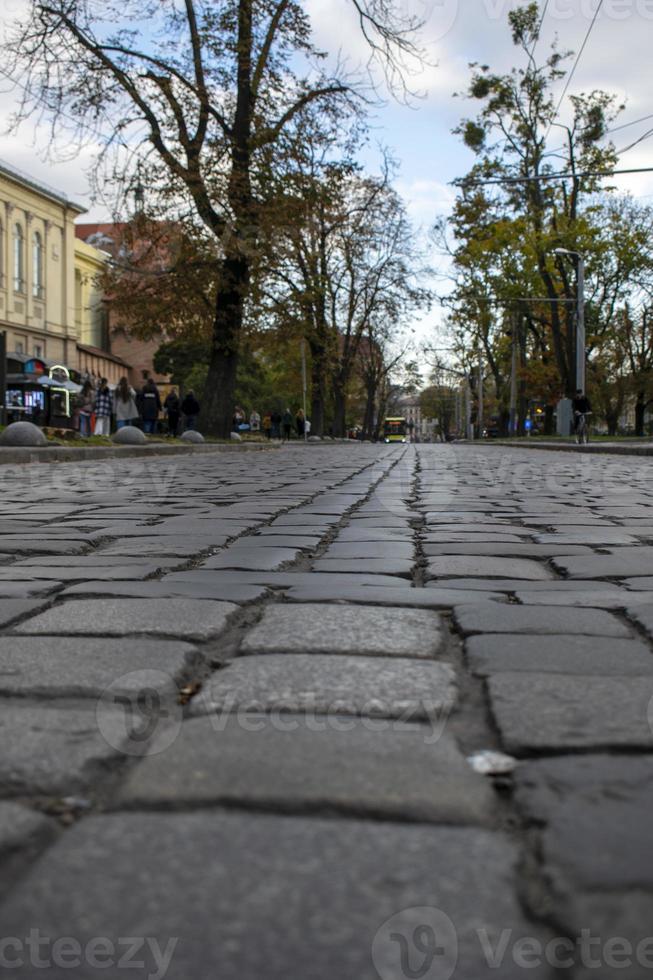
<point x="103" y="408"/>
<point x="190" y="408"/>
<point x="287" y="421"/>
<point x="255" y="421"/>
<point x="300" y="423"/>
<point x="276" y="425"/>
<point x="125" y="404"/>
<point x="150" y="406"/>
<point x="86" y="399"/>
<point x="307" y="426"/>
<point x="172" y="406"/>
<point x="267" y="425"/>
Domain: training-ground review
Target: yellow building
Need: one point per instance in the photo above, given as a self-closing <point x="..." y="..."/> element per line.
<point x="91" y="318"/>
<point x="50" y="303"/>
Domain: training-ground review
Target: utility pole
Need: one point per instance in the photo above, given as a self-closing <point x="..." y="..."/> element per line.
<point x="580" y="326"/>
<point x="480" y="394"/>
<point x="303" y="349"/>
<point x="513" y="378"/>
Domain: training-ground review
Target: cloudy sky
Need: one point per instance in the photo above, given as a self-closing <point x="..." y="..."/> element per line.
<point x="616" y="58"/>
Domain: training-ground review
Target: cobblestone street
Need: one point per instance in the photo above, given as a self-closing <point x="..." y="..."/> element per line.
<point x="248" y="698"/>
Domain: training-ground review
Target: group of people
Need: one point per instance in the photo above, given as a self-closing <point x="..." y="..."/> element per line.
<point x="129" y="407"/>
<point x="280" y="426"/>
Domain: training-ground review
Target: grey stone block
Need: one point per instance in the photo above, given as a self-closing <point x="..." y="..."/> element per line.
<point x="360" y="630"/>
<point x="594" y="811"/>
<point x="227" y="591"/>
<point x="397" y="771"/>
<point x="468" y="566"/>
<point x="503" y="618"/>
<point x="606" y="566"/>
<point x="383" y="566"/>
<point x="252" y="558"/>
<point x="372" y="549"/>
<point x="333" y="891"/>
<point x="129" y="435"/>
<point x="590" y="655"/>
<point x="415" y="690"/>
<point x="193" y="619"/>
<point x="12" y="609"/>
<point x="418" y="598"/>
<point x="23" y="434"/>
<point x="192" y="436"/>
<point x="554" y="712"/>
<point x="39" y="666"/>
<point x="56" y="747"/>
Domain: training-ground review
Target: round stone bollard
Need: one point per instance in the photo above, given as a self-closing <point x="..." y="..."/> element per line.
<point x="129" y="435"/>
<point x="23" y="434"/>
<point x="190" y="435"/>
<point x="236" y="437"/>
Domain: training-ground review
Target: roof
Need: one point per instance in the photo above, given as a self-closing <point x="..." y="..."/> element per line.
<point x="98" y="352"/>
<point x="19" y="177"/>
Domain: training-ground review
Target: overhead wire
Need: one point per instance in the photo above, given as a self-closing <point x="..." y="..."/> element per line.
<point x="575" y="66"/>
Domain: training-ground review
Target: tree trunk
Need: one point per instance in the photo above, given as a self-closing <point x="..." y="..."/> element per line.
<point x="548" y="420"/>
<point x="318" y="390"/>
<point x="339" y="407"/>
<point x="217" y="405"/>
<point x="504" y="423"/>
<point x="612" y="421"/>
<point x="640" y="409"/>
<point x="370" y="402"/>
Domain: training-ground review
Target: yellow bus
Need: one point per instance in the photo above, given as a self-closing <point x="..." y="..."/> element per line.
<point x="394" y="430"/>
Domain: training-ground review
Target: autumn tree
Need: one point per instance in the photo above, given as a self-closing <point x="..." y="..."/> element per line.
<point x="203" y="93"/>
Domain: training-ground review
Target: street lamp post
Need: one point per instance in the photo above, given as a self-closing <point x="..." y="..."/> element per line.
<point x="580" y="315"/>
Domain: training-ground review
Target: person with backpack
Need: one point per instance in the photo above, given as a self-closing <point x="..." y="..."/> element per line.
<point x="150" y="405"/>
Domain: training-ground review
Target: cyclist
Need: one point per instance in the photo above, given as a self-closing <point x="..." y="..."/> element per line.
<point x="582" y="408"/>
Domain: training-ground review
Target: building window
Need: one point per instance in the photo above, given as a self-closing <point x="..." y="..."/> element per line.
<point x="19" y="347"/>
<point x="38" y="350"/>
<point x="19" y="260"/>
<point x="2" y="256"/>
<point x="37" y="262"/>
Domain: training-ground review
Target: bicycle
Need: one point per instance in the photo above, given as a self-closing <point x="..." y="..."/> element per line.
<point x="582" y="429"/>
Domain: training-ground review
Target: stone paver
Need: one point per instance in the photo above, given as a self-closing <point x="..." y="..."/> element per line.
<point x="360" y="630"/>
<point x="304" y="805"/>
<point x="502" y="618"/>
<point x="326" y="888"/>
<point x="348" y="764"/>
<point x="40" y="666"/>
<point x="554" y="712"/>
<point x="600" y="871"/>
<point x="469" y="566"/>
<point x="57" y="747"/>
<point x="191" y="619"/>
<point x="589" y="655"/>
<point x="413" y="690"/>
